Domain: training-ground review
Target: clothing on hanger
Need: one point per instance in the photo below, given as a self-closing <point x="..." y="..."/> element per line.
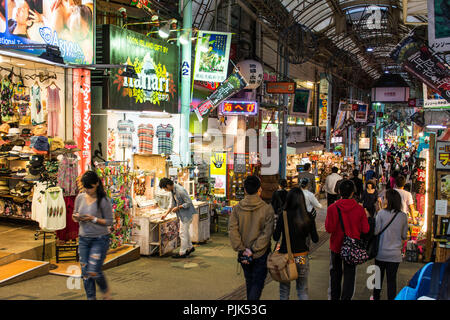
<point x="145" y="134"/>
<point x="125" y="129"/>
<point x="54" y="213"/>
<point x="67" y="174"/>
<point x="53" y="110"/>
<point x="111" y="145"/>
<point x="165" y="138"/>
<point x="37" y="113"/>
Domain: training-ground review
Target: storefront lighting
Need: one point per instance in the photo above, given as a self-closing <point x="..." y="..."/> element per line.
<point x="309" y="84"/>
<point x="155" y="114"/>
<point x="436" y="126"/>
<point x="369" y="49"/>
<point x="21" y="64"/>
<point x="164" y="31"/>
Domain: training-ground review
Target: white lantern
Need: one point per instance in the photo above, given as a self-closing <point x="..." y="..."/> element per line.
<point x="253" y="73"/>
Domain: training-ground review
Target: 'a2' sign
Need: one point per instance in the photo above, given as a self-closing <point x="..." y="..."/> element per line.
<point x="185" y="69"/>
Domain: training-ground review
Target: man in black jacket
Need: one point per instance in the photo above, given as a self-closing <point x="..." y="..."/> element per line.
<point x="279" y="199"/>
<point x="358" y="184"/>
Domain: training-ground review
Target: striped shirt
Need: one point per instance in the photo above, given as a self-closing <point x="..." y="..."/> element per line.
<point x="165" y="137"/>
<point x="125" y="129"/>
<point x="145" y="134"/>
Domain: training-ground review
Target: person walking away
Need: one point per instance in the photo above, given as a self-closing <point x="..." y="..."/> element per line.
<point x="393" y="178"/>
<point x="391" y="242"/>
<point x="93" y="211"/>
<point x="301" y="225"/>
<point x="308" y="175"/>
<point x="182" y="205"/>
<point x="250" y="229"/>
<point x="355" y="223"/>
<point x="279" y="199"/>
<point x="330" y="184"/>
<point x="370" y="174"/>
<point x="359" y="187"/>
<point x="406" y="197"/>
<point x="310" y="199"/>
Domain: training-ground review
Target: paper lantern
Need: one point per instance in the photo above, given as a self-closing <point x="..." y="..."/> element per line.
<point x="253" y="73"/>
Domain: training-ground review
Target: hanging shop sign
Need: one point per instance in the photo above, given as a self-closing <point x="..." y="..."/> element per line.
<point x="372" y="119"/>
<point x="212" y="56"/>
<point x="361" y="113"/>
<point x="432" y="99"/>
<point x="46" y="22"/>
<point x="341" y="115"/>
<point x="218" y="165"/>
<point x="296" y="134"/>
<point x="302" y="102"/>
<point x="281" y="87"/>
<point x="243" y="108"/>
<point x="323" y="104"/>
<point x="425" y="66"/>
<point x="443" y="155"/>
<point x="207" y="85"/>
<point x="156" y="65"/>
<point x="337" y="139"/>
<point x="253" y="73"/>
<point x="395" y="94"/>
<point x="229" y="87"/>
<point x="438" y="25"/>
<point x="239" y="163"/>
<point x="364" y="143"/>
<point x="82" y="116"/>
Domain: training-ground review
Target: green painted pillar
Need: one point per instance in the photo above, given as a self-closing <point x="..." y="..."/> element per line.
<point x="186" y="70"/>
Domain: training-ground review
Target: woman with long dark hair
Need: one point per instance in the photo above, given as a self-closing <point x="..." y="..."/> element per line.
<point x="391" y="241"/>
<point x="93" y="211"/>
<point x="301" y="225"/>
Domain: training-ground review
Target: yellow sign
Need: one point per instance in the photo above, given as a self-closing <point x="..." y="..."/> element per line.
<point x="218" y="164"/>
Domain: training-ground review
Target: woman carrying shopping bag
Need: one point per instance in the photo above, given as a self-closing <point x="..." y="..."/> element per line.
<point x="301" y="224"/>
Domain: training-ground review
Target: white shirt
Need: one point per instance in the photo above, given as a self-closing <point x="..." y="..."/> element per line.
<point x="310" y="200"/>
<point x="330" y="183"/>
<point x="407" y="199"/>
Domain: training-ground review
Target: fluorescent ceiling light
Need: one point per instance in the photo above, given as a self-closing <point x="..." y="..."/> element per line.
<point x="369" y="49"/>
<point x="436" y="126"/>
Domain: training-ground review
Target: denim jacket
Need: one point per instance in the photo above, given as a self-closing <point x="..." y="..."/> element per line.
<point x="180" y="197"/>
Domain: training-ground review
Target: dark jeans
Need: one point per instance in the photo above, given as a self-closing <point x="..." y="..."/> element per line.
<point x="92" y="255"/>
<point x="331" y="198"/>
<point x="391" y="272"/>
<point x="255" y="275"/>
<point x="349" y="273"/>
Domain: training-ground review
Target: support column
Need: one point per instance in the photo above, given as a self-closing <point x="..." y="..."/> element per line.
<point x="283" y="129"/>
<point x="329" y="111"/>
<point x="186" y="66"/>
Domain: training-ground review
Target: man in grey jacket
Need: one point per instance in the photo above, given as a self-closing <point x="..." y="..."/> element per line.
<point x="182" y="205"/>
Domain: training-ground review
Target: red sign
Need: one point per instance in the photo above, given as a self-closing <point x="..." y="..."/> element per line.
<point x="281" y="87"/>
<point x="82" y="116"/>
<point x="207" y="85"/>
<point x="247" y="108"/>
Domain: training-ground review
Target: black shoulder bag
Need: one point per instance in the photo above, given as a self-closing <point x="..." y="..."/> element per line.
<point x="374" y="244"/>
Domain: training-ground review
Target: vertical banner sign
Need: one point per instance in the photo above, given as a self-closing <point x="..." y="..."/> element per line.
<point x="212" y="56"/>
<point x="218" y="167"/>
<point x="438" y="25"/>
<point x="323" y="102"/>
<point x="82" y="116"/>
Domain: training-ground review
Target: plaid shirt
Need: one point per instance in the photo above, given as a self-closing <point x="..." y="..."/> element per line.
<point x="145" y="134"/>
<point x="165" y="136"/>
<point x="125" y="129"/>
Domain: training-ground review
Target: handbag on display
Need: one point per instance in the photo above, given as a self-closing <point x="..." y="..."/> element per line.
<point x="353" y="251"/>
<point x="282" y="266"/>
<point x="374" y="243"/>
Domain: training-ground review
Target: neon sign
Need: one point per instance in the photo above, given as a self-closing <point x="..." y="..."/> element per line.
<point x="244" y="108"/>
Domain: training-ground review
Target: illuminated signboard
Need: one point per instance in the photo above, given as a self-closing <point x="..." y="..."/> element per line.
<point x="245" y="108"/>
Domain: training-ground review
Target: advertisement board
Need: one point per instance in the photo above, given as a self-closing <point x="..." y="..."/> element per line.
<point x="82" y="116"/>
<point x="281" y="87"/>
<point x="443" y="155"/>
<point x="64" y="24"/>
<point x="302" y="101"/>
<point x="212" y="55"/>
<point x="361" y="113"/>
<point x="438" y="25"/>
<point x="218" y="168"/>
<point x="399" y="94"/>
<point x="156" y="65"/>
<point x="432" y="99"/>
<point x="364" y="143"/>
<point x="240" y="108"/>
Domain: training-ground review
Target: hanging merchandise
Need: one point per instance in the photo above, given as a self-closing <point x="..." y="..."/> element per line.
<point x="165" y="138"/>
<point x="70" y="232"/>
<point x="6" y="92"/>
<point x="68" y="173"/>
<point x="111" y="144"/>
<point x="22" y="98"/>
<point x="37" y="112"/>
<point x="145" y="134"/>
<point x="117" y="180"/>
<point x="53" y="109"/>
<point x="125" y="129"/>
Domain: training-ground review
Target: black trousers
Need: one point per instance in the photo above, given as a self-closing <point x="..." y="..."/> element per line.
<point x="255" y="276"/>
<point x="339" y="268"/>
<point x="331" y="198"/>
<point x="391" y="273"/>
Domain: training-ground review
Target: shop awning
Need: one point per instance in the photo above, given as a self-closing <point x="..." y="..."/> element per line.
<point x="303" y="147"/>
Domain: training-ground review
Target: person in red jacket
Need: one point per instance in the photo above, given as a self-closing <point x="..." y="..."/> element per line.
<point x="355" y="222"/>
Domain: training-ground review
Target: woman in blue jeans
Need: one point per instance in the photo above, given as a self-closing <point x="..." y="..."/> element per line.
<point x="93" y="211"/>
<point x="301" y="225"/>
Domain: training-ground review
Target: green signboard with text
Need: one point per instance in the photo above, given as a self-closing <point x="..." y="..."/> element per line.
<point x="156" y="65"/>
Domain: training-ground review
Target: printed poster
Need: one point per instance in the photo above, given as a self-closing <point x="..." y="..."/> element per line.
<point x="218" y="168"/>
<point x="361" y="113"/>
<point x="432" y="99"/>
<point x="65" y="24"/>
<point x="323" y="115"/>
<point x="439" y="25"/>
<point x="212" y="55"/>
<point x="443" y="155"/>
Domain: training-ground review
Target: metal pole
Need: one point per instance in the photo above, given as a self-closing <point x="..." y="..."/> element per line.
<point x="329" y="106"/>
<point x="186" y="63"/>
<point x="283" y="158"/>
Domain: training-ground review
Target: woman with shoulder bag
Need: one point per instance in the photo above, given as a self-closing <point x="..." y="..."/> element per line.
<point x="301" y="224"/>
<point x="93" y="211"/>
<point x="392" y="227"/>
